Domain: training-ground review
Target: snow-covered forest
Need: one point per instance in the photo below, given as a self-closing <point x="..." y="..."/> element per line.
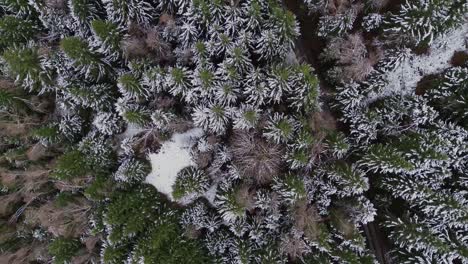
<point x="234" y="131"/>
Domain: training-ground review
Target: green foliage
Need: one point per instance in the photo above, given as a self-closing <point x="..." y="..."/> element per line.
<point x="165" y="245"/>
<point x="107" y="32"/>
<point x="115" y="254"/>
<point x="132" y="171"/>
<point x="286" y="23"/>
<point x="98" y="96"/>
<point x="15" y="156"/>
<point x="137" y="117"/>
<point x="99" y="154"/>
<point x="17" y="7"/>
<point x="350" y="257"/>
<point x="291" y="187"/>
<point x="426" y="146"/>
<point x="131" y="212"/>
<point x="298" y="158"/>
<point x="88" y="61"/>
<point x="385" y="159"/>
<point x="25" y="65"/>
<point x="131" y="87"/>
<point x="424" y="20"/>
<point x="64" y="198"/>
<point x="99" y="189"/>
<point x="72" y="164"/>
<point x="47" y="134"/>
<point x="11" y="102"/>
<point x="140" y="217"/>
<point x="449" y="93"/>
<point x="338" y="24"/>
<point x="84" y="11"/>
<point x="337" y="144"/>
<point x="233" y="203"/>
<point x="308" y="98"/>
<point x="280" y="128"/>
<point x="350" y="180"/>
<point x="63" y="249"/>
<point x="190" y="180"/>
<point x="78" y="50"/>
<point x="16" y="31"/>
<point x="9" y="241"/>
<point x="415" y="234"/>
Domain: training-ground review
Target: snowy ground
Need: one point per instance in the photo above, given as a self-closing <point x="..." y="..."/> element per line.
<point x="173" y="156"/>
<point x="404" y="79"/>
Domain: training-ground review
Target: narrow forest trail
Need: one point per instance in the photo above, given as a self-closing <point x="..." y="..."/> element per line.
<point x="308" y="48"/>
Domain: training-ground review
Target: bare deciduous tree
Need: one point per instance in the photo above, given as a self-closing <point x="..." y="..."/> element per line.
<point x="255" y="157"/>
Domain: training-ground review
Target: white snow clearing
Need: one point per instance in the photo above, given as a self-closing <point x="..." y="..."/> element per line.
<point x="173" y="156"/>
<point x="404" y="79"/>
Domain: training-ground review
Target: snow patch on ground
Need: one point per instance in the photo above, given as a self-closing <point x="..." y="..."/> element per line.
<point x="173" y="156"/>
<point x="404" y="79"/>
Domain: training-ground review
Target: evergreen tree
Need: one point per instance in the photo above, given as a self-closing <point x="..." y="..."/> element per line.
<point x="449" y="95"/>
<point x="337" y="25"/>
<point x="280" y="82"/>
<point x="88" y="62"/>
<point x="94" y="96"/>
<point x="233" y="202"/>
<point x="178" y="81"/>
<point x="422" y="21"/>
<point x="190" y="181"/>
<point x="70" y="165"/>
<point x="131" y="87"/>
<point x="351" y="180"/>
<point x="83" y="11"/>
<point x="213" y="117"/>
<point x="139" y="219"/>
<point x="63" y="249"/>
<point x="385" y="159"/>
<point x="108" y="38"/>
<point x="280" y="128"/>
<point x="132" y="171"/>
<point x="256" y="88"/>
<point x="15" y="31"/>
<point x="24" y="64"/>
<point x="246" y="117"/>
<point x="412" y="234"/>
<point x="125" y="12"/>
<point x="290" y="187"/>
<point x="18" y="7"/>
<point x="108" y="123"/>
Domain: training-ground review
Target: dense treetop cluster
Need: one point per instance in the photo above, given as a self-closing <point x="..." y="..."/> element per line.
<point x="332" y="131"/>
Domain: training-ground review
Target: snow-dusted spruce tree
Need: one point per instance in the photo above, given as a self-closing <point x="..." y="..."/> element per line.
<point x="190" y="181"/>
<point x="20" y="8"/>
<point x="421" y="168"/>
<point x="83" y="12"/>
<point x="24" y="64"/>
<point x="336" y="17"/>
<point x="449" y="94"/>
<point x="108" y="38"/>
<point x="132" y="171"/>
<point x="87" y="62"/>
<point x="16" y="31"/>
<point x="422" y="21"/>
